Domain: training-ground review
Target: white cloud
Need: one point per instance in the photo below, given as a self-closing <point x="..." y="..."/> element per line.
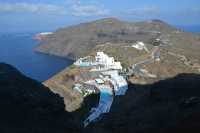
<point x="88" y="10"/>
<point x="73" y="7"/>
<point x="31" y="8"/>
<point x="143" y="11"/>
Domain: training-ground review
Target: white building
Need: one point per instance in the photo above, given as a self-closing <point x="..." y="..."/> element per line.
<point x="84" y="62"/>
<point x="119" y="82"/>
<point x="45" y="33"/>
<point x="140" y="46"/>
<point x="106" y="61"/>
<point x="102" y="62"/>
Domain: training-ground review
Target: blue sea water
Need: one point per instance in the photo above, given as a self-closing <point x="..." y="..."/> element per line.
<point x="190" y="28"/>
<point x="17" y="50"/>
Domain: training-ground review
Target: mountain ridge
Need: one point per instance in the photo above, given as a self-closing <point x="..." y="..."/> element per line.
<point x="76" y="41"/>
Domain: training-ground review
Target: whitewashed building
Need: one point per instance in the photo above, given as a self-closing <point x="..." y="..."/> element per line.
<point x="102" y="62"/>
<point x="106" y="61"/>
<point x="45" y="33"/>
<point x="140" y="46"/>
<point x="119" y="82"/>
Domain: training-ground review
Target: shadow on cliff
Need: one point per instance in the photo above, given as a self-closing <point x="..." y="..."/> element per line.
<point x="171" y="105"/>
<point x="26" y="106"/>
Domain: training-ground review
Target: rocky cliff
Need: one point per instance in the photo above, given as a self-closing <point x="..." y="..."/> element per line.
<point x="29" y="107"/>
<point x="170" y="105"/>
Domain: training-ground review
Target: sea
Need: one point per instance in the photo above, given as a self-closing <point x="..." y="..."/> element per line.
<point x="17" y="49"/>
<point x="190" y="28"/>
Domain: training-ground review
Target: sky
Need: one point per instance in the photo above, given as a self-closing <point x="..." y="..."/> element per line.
<point x="49" y="15"/>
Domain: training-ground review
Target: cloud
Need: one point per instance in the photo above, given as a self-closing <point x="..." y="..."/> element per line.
<point x="31" y="8"/>
<point x="88" y="10"/>
<point x="73" y="7"/>
<point x="144" y="11"/>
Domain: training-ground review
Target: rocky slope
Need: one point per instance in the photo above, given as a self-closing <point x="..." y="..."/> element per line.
<point x="179" y="52"/>
<point x="170" y="105"/>
<point x="179" y="49"/>
<point x="29" y="107"/>
<point x="79" y="40"/>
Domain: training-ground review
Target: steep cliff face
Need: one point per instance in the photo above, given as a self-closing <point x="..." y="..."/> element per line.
<point x="29" y="107"/>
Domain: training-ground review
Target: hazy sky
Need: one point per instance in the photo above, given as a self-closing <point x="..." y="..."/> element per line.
<point x="39" y="15"/>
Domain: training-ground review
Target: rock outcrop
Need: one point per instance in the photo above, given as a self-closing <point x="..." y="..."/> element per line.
<point x="170" y="105"/>
<point x="29" y="107"/>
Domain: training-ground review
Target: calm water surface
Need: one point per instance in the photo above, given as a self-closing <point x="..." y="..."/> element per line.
<point x="17" y="50"/>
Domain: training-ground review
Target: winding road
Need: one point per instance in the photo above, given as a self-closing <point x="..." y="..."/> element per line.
<point x="136" y="68"/>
